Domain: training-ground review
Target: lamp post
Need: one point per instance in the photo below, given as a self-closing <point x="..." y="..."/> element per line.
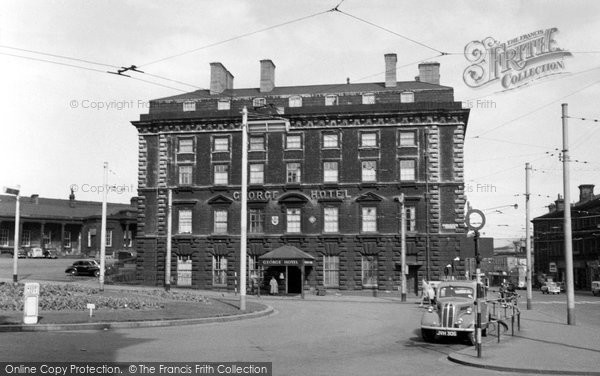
<point x="103" y="227"/>
<point x="15" y="191"/>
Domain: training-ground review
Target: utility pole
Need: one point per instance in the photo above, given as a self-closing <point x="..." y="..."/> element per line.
<point x="427" y="214"/>
<point x="169" y="232"/>
<point x="17" y="228"/>
<point x="244" y="204"/>
<point x="403" y="247"/>
<point x="103" y="227"/>
<point x="567" y="219"/>
<point x="528" y="235"/>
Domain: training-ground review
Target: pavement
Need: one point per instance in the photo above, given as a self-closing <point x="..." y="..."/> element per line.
<point x="543" y="345"/>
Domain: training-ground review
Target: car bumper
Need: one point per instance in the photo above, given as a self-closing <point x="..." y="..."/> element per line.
<point x="466" y="330"/>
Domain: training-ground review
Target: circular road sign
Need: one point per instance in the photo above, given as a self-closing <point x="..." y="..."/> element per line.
<point x="475" y="219"/>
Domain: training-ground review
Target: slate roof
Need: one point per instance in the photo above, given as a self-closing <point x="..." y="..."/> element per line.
<point x="592" y="205"/>
<point x="309" y="90"/>
<point x="51" y="208"/>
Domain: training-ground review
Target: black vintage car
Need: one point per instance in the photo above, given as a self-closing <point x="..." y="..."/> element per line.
<point x="84" y="267"/>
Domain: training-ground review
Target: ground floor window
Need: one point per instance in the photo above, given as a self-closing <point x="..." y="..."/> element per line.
<point x="219" y="271"/>
<point x="47" y="239"/>
<point x="26" y="238"/>
<point x="67" y="239"/>
<point x="369" y="271"/>
<point x="4" y="237"/>
<point x="331" y="271"/>
<point x="184" y="270"/>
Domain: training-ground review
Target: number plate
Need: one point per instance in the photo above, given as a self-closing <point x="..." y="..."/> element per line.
<point x="446" y="333"/>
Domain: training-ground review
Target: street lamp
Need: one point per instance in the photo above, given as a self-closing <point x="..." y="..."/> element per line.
<point x="455" y="261"/>
<point x="264" y="126"/>
<point x="15" y="191"/>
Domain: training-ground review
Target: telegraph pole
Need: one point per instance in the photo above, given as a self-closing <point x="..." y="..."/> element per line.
<point x="103" y="227"/>
<point x="528" y="235"/>
<point x="403" y="247"/>
<point x="567" y="219"/>
<point x="169" y="232"/>
<point x="244" y="216"/>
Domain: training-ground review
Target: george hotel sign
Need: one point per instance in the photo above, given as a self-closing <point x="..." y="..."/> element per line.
<point x="314" y="194"/>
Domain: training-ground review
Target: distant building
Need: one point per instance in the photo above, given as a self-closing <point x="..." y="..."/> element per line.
<point x="68" y="226"/>
<point x="328" y="186"/>
<point x="548" y="239"/>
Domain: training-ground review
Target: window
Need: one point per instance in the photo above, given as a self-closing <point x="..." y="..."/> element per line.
<point x="25" y="239"/>
<point x="330" y="222"/>
<point x="221" y="144"/>
<point x="293" y="141"/>
<point x="330" y="140"/>
<point x="67" y="239"/>
<point x="220" y="221"/>
<point x="369" y="219"/>
<point x="369" y="271"/>
<point x="331" y="271"/>
<point x="257" y="143"/>
<point x="219" y="271"/>
<point x="257" y="173"/>
<point x="369" y="171"/>
<point x="185" y="221"/>
<point x="109" y="238"/>
<point x="223" y="104"/>
<point x="407" y="138"/>
<point x="253" y="269"/>
<point x="330" y="172"/>
<point x="127" y="238"/>
<point x="293" y="220"/>
<point x="407" y="169"/>
<point x="411" y="219"/>
<point x="331" y="100"/>
<point x="186" y="145"/>
<point x="259" y="102"/>
<point x="368" y="140"/>
<point x="221" y="174"/>
<point x="89" y="240"/>
<point x="185" y="175"/>
<point x="4" y="237"/>
<point x="293" y="172"/>
<point x="407" y="97"/>
<point x="296" y="101"/>
<point x="368" y="98"/>
<point x="189" y="106"/>
<point x="256" y="221"/>
<point x="47" y="239"/>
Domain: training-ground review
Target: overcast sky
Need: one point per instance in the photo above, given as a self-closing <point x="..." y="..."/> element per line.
<point x="53" y="135"/>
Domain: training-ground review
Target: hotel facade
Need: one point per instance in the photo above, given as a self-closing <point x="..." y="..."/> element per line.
<point x="328" y="186"/>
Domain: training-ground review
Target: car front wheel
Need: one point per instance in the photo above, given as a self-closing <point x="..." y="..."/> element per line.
<point x="73" y="272"/>
<point x="471" y="338"/>
<point x="97" y="273"/>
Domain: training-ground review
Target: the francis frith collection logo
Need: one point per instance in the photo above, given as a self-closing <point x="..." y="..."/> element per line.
<point x="516" y="62"/>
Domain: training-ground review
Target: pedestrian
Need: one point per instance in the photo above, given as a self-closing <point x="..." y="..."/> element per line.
<point x="424" y="292"/>
<point x="274" y="286"/>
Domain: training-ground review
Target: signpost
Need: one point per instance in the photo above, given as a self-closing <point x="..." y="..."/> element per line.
<point x="16" y="192"/>
<point x="475" y="221"/>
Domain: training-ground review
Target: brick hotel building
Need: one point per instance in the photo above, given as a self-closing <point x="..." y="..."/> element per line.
<point x="326" y="189"/>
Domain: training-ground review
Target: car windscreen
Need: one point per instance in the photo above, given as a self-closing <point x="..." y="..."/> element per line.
<point x="456" y="291"/>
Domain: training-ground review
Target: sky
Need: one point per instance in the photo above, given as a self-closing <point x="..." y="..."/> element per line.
<point x="61" y="123"/>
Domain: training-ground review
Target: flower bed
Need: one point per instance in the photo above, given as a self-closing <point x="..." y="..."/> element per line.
<point x="73" y="297"/>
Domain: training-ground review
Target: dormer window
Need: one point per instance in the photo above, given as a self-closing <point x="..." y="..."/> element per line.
<point x="259" y="102"/>
<point x="368" y="98"/>
<point x="407" y="97"/>
<point x="331" y="100"/>
<point x="296" y="101"/>
<point x="224" y="105"/>
<point x="189" y="106"/>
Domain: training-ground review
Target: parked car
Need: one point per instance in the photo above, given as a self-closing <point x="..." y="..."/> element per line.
<point x="35" y="252"/>
<point x="51" y="253"/>
<point x="550" y="288"/>
<point x="22" y="253"/>
<point x="596" y="288"/>
<point x="453" y="314"/>
<point x="84" y="267"/>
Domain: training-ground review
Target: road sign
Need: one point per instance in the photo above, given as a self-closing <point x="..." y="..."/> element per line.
<point x="475" y="219"/>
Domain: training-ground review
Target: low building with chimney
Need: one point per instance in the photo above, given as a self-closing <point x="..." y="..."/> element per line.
<point x="69" y="227"/>
<point x="324" y="209"/>
<point x="549" y="245"/>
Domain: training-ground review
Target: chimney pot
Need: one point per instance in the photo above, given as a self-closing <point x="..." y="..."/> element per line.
<point x="586" y="192"/>
<point x="390" y="70"/>
<point x="35" y="198"/>
<point x="267" y="76"/>
<point x="429" y="72"/>
<point x="559" y="203"/>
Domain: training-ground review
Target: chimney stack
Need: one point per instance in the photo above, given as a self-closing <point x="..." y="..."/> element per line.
<point x="267" y="76"/>
<point x="429" y="72"/>
<point x="35" y="198"/>
<point x="551" y="207"/>
<point x="586" y="192"/>
<point x="220" y="79"/>
<point x="559" y="203"/>
<point x="390" y="70"/>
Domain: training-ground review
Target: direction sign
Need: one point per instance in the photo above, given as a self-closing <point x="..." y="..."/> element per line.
<point x="475" y="219"/>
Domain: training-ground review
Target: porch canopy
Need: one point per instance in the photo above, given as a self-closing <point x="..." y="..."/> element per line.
<point x="286" y="255"/>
